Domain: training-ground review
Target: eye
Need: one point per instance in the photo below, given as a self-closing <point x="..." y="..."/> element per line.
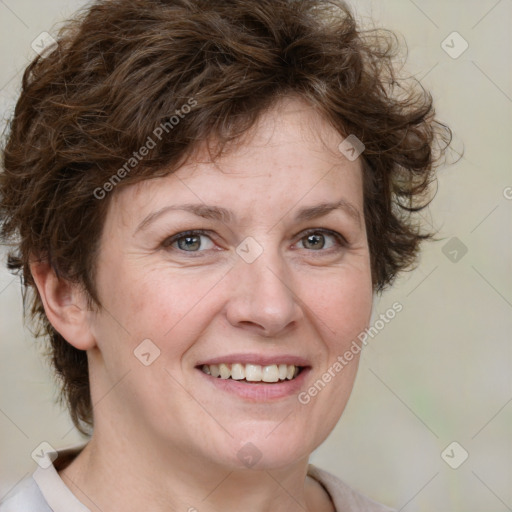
<point x="197" y="241"/>
<point x="190" y="241"/>
<point x="322" y="239"/>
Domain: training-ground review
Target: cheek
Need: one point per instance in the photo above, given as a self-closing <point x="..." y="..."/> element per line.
<point x="341" y="303"/>
<point x="340" y="308"/>
<point x="166" y="305"/>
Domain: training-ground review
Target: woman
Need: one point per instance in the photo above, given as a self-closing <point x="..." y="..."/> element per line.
<point x="205" y="198"/>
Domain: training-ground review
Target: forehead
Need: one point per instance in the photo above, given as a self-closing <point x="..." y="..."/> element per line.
<point x="290" y="154"/>
<point x="290" y="122"/>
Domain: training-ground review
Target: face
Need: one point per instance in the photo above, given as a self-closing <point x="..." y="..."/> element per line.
<point x="256" y="261"/>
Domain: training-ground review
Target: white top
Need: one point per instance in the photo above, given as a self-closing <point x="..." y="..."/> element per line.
<point x="45" y="491"/>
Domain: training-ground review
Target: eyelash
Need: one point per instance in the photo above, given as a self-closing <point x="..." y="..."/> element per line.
<point x="340" y="239"/>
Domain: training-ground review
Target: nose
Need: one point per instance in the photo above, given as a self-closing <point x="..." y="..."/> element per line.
<point x="263" y="299"/>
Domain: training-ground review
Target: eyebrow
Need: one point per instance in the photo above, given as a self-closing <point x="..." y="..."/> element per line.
<point x="226" y="216"/>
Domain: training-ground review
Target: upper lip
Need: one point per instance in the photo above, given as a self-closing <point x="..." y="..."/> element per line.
<point x="262" y="360"/>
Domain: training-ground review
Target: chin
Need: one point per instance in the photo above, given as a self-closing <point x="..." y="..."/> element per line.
<point x="267" y="449"/>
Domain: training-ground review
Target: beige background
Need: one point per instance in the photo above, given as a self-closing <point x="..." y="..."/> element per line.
<point x="441" y="371"/>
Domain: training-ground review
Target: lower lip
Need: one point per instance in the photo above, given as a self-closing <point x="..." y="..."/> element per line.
<point x="259" y="392"/>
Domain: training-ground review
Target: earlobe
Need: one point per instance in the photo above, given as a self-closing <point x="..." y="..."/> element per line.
<point x="65" y="305"/>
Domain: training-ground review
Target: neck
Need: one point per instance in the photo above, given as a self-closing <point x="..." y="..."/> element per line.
<point x="113" y="474"/>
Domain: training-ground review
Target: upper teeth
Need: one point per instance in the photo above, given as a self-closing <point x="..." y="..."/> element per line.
<point x="252" y="372"/>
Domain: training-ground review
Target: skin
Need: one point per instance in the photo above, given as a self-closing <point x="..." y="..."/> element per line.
<point x="162" y="435"/>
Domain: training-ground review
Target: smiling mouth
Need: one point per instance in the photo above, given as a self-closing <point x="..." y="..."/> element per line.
<point x="253" y="373"/>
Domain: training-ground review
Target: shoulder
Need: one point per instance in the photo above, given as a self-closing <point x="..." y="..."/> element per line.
<point x="342" y="495"/>
<point x="44" y="490"/>
<point x="26" y="496"/>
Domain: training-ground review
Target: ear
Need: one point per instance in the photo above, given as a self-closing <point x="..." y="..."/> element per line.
<point x="65" y="305"/>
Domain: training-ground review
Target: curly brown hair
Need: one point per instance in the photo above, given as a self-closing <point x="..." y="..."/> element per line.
<point x="121" y="68"/>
